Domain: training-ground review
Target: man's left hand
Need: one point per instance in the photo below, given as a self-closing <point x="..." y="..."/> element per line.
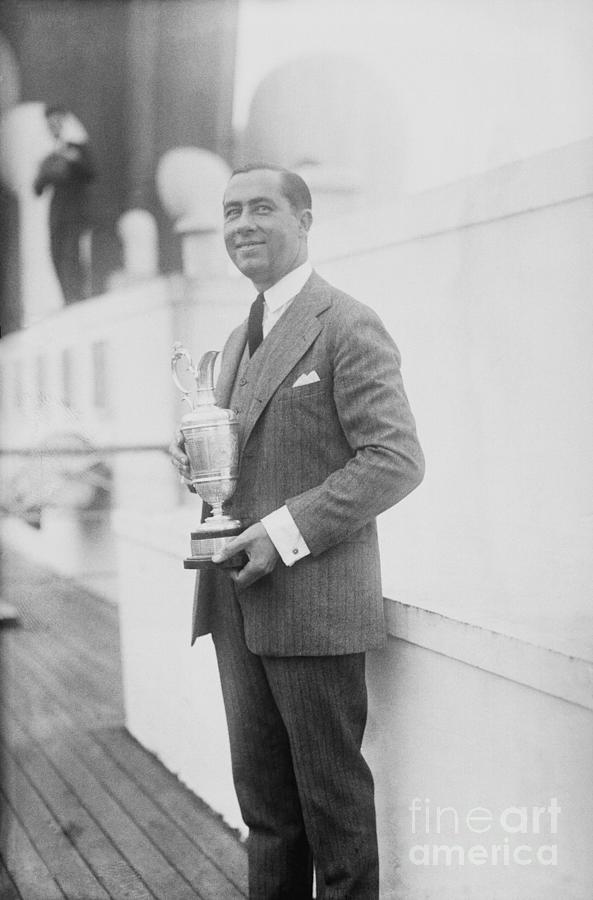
<point x="261" y="552"/>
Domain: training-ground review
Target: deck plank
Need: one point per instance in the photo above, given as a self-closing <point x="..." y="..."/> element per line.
<point x="71" y="679"/>
<point x="80" y="760"/>
<point x="89" y="813"/>
<point x="8" y="890"/>
<point x="85" y="623"/>
<point x="48" y="700"/>
<point x="145" y="777"/>
<point x="193" y="860"/>
<point x="194" y="818"/>
<point x="208" y="880"/>
<point x="26" y="686"/>
<point x="195" y="851"/>
<point x="53" y="846"/>
<point x="94" y="844"/>
<point x="29" y="874"/>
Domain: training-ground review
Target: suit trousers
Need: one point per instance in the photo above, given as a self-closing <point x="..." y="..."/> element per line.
<point x="305" y="791"/>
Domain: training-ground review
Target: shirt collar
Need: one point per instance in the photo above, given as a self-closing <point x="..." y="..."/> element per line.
<point x="288" y="286"/>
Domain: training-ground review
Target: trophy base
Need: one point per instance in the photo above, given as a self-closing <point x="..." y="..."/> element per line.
<point x="235" y="562"/>
<point x="211" y="538"/>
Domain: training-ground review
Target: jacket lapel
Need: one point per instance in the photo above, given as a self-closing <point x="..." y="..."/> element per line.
<point x="231" y="358"/>
<point x="293" y="334"/>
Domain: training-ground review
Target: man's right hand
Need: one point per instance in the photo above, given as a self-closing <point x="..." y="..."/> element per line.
<point x="179" y="457"/>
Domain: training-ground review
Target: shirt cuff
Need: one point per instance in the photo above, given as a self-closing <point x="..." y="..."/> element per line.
<point x="285" y="536"/>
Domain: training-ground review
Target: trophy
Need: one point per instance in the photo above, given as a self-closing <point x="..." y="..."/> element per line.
<point x="212" y="446"/>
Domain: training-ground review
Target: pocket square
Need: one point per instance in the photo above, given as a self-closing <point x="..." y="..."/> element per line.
<point x="311" y="378"/>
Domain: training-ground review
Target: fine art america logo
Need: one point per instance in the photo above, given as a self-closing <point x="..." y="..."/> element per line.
<point x="516" y="835"/>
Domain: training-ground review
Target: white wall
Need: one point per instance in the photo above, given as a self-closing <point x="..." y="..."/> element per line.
<point x="172" y="691"/>
<point x="474" y="84"/>
<point x="491" y="309"/>
<point x="453" y="735"/>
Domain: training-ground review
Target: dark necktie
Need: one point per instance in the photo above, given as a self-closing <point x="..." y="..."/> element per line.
<point x="255" y="333"/>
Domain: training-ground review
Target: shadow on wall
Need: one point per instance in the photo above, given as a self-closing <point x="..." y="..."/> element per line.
<point x="330" y="110"/>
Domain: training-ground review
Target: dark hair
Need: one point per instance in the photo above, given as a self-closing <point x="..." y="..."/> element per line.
<point x="55" y="110"/>
<point x="294" y="187"/>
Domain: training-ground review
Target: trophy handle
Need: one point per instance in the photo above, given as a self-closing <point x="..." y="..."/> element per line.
<point x="203" y="374"/>
<point x="179" y="353"/>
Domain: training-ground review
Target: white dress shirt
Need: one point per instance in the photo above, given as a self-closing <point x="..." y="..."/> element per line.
<point x="279" y="297"/>
<point x="281" y="527"/>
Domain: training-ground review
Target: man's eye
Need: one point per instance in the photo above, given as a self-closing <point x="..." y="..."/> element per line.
<point x="230" y="214"/>
<point x="262" y="208"/>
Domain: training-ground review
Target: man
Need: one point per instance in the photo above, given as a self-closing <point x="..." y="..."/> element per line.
<point x="68" y="170"/>
<point x="327" y="441"/>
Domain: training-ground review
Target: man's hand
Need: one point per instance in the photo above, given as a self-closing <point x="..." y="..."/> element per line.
<point x="262" y="555"/>
<point x="179" y="457"/>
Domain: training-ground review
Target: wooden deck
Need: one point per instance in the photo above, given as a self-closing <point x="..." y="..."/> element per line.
<point x="85" y="812"/>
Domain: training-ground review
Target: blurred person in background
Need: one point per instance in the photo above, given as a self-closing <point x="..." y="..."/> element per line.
<point x="68" y="169"/>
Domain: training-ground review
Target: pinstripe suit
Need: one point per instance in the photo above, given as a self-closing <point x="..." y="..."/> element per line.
<point x="291" y="646"/>
<point x="337" y="452"/>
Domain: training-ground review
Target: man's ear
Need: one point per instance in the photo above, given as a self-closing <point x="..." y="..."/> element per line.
<point x="306" y="220"/>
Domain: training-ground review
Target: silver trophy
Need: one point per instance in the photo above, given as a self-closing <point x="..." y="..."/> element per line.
<point x="212" y="446"/>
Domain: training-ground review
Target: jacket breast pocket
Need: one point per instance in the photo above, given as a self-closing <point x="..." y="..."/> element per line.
<point x="317" y="390"/>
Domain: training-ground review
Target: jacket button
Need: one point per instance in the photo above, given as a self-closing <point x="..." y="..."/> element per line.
<point x="243" y="382"/>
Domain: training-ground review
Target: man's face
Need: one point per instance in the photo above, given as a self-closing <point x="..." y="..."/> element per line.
<point x="55" y="122"/>
<point x="264" y="237"/>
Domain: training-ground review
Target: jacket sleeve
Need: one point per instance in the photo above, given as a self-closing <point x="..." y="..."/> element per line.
<point x="387" y="461"/>
<point x="81" y="163"/>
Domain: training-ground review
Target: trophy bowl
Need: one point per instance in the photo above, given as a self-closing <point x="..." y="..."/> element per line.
<point x="211" y="440"/>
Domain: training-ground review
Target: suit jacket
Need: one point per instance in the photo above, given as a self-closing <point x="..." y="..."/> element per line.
<point x="69" y="178"/>
<point x="337" y="452"/>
